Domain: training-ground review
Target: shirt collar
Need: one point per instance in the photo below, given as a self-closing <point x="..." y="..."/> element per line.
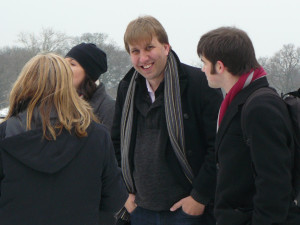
<point x="150" y="91"/>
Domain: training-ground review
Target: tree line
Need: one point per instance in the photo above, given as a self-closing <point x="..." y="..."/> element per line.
<point x="283" y="67"/>
<point x="12" y="59"/>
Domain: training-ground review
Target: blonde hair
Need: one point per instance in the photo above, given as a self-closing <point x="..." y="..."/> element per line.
<point x="143" y="29"/>
<point x="45" y="83"/>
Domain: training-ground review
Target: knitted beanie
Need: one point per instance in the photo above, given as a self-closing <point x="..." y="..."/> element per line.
<point x="91" y="58"/>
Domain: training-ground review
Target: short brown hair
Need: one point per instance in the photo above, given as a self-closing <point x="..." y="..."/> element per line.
<point x="45" y="83"/>
<point x="144" y="28"/>
<point x="230" y="45"/>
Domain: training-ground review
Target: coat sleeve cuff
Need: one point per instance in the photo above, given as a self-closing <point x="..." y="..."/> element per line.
<point x="199" y="198"/>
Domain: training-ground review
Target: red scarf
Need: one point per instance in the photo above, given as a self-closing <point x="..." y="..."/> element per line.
<point x="243" y="82"/>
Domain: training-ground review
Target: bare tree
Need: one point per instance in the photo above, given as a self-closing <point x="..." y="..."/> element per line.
<point x="48" y="40"/>
<point x="284" y="68"/>
<point x="12" y="60"/>
<point x="100" y="39"/>
<point x="29" y="40"/>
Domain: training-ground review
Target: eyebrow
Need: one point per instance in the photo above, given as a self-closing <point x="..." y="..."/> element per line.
<point x="73" y="60"/>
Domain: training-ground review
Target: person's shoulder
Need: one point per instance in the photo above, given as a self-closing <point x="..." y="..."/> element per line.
<point x="266" y="98"/>
<point x="190" y="67"/>
<point x="195" y="78"/>
<point x="2" y="129"/>
<point x="267" y="104"/>
<point x="192" y="72"/>
<point x="96" y="129"/>
<point x="125" y="81"/>
<point x="127" y="78"/>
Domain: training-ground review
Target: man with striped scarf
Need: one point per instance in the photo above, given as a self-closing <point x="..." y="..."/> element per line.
<point x="163" y="132"/>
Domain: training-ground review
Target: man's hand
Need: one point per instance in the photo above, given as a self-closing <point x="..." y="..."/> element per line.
<point x="189" y="206"/>
<point x="130" y="204"/>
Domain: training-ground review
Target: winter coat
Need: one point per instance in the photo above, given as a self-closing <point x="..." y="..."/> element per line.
<point x="103" y="106"/>
<point x="66" y="181"/>
<point x="200" y="105"/>
<point x="254" y="184"/>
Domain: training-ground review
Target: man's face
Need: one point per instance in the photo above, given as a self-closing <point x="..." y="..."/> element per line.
<point x="213" y="79"/>
<point x="149" y="59"/>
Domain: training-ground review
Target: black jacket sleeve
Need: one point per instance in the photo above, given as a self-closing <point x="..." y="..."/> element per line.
<point x="269" y="133"/>
<point x="2" y="136"/>
<point x="205" y="181"/>
<point x="114" y="193"/>
<point x="106" y="111"/>
<point x="116" y="127"/>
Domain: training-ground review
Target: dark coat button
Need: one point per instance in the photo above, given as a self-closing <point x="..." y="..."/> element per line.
<point x="189" y="152"/>
<point x="186" y="116"/>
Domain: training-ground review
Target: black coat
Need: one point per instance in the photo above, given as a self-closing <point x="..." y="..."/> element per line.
<point x="200" y="105"/>
<point x="254" y="184"/>
<point x="68" y="181"/>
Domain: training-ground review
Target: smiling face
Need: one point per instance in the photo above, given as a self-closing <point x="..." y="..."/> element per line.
<point x="78" y="72"/>
<point x="150" y="59"/>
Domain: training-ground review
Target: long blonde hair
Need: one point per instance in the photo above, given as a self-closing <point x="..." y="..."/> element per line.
<point x="45" y="83"/>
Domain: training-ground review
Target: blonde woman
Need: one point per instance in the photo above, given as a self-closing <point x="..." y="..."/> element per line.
<point x="57" y="165"/>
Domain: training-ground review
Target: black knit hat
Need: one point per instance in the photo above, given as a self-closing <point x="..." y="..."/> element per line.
<point x="91" y="58"/>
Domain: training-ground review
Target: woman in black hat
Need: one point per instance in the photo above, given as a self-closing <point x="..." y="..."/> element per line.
<point x="88" y="62"/>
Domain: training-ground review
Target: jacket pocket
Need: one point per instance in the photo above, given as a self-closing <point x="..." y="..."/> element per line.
<point x="243" y="215"/>
<point x="187" y="215"/>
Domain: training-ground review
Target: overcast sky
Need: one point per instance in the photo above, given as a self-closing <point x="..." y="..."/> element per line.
<point x="269" y="23"/>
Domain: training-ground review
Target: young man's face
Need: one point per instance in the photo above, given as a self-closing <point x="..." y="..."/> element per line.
<point x="214" y="80"/>
<point x="149" y="59"/>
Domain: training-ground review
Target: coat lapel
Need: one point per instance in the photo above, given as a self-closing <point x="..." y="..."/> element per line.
<point x="232" y="110"/>
<point x="235" y="107"/>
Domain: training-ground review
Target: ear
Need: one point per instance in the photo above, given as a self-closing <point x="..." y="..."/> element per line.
<point x="220" y="68"/>
<point x="167" y="48"/>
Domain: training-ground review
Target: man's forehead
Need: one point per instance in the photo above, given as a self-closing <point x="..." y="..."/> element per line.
<point x="140" y="42"/>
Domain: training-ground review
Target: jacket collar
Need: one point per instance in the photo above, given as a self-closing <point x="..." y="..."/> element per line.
<point x="236" y="105"/>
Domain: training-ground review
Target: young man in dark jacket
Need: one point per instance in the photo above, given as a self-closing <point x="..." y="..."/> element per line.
<point x="164" y="132"/>
<point x="254" y="174"/>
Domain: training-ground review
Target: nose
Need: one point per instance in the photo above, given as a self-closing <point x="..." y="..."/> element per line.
<point x="144" y="56"/>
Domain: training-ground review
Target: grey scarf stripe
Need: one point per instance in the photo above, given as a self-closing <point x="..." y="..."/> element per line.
<point x="126" y="129"/>
<point x="174" y="114"/>
<point x="174" y="121"/>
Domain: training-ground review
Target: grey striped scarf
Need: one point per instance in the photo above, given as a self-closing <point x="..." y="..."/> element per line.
<point x="172" y="102"/>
